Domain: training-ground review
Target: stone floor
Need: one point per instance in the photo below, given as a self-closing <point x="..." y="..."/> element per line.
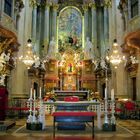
<point x="126" y="130"/>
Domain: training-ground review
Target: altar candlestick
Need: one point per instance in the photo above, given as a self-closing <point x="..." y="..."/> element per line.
<point x="105" y="93"/>
<point x="34" y="94"/>
<point x="112" y="94"/>
<point x="31" y="93"/>
<point x="40" y="93"/>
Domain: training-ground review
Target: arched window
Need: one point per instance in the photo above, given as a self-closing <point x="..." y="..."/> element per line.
<point x="8" y="7"/>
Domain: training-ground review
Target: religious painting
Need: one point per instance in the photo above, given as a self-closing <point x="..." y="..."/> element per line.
<point x="70" y="29"/>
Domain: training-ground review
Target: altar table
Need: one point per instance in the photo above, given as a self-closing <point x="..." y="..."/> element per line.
<point x="80" y="105"/>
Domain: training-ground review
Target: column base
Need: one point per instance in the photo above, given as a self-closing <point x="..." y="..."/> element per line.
<point x="34" y="126"/>
<point x="109" y="127"/>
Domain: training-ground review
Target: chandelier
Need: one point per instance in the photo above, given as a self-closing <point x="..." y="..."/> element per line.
<point x="115" y="56"/>
<point x="28" y="57"/>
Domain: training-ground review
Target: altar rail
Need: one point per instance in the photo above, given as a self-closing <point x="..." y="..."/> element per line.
<point x="51" y="108"/>
<point x="22" y="106"/>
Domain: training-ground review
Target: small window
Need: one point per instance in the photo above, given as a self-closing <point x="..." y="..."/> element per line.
<point x="134" y="8"/>
<point x="8" y="7"/>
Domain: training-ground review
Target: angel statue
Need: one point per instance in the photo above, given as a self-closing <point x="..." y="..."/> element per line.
<point x="88" y="49"/>
<point x="2" y="78"/>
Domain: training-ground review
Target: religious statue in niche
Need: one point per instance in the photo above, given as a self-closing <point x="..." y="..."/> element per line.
<point x="70" y="67"/>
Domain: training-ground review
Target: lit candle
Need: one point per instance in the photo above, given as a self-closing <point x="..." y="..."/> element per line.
<point x="34" y="95"/>
<point x="112" y="94"/>
<point x="40" y="93"/>
<point x="31" y="93"/>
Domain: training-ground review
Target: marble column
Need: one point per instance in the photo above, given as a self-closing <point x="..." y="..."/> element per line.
<point x="138" y="78"/>
<point x="100" y="32"/>
<point x="54" y="22"/>
<point x="106" y="28"/>
<point x="34" y="23"/>
<point x="85" y="7"/>
<point x="46" y="26"/>
<point x="94" y="25"/>
<point x="39" y="35"/>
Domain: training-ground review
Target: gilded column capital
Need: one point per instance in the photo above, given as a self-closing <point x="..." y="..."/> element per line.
<point x="93" y="5"/>
<point x="33" y="3"/>
<point x="55" y="6"/>
<point x="107" y="3"/>
<point x="48" y="3"/>
<point x="85" y="7"/>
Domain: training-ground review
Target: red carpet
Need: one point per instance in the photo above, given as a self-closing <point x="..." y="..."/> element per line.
<point x="72" y="138"/>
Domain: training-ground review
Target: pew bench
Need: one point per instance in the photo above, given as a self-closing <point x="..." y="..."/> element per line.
<point x="73" y="117"/>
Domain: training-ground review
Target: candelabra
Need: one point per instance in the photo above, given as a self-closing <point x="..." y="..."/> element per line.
<point x="41" y="116"/>
<point x="105" y="67"/>
<point x="30" y="104"/>
<point x="102" y="64"/>
<point x="113" y="119"/>
<point x="106" y="120"/>
<point x="34" y="108"/>
<point x="35" y="122"/>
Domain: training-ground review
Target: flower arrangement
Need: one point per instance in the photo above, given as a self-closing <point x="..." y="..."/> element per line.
<point x="95" y="96"/>
<point x="50" y="96"/>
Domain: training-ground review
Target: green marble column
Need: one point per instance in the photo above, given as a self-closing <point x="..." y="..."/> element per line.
<point x="46" y="26"/>
<point x="39" y="35"/>
<point x="54" y="22"/>
<point x="85" y="7"/>
<point x="34" y="22"/>
<point x="106" y="28"/>
<point x="100" y="31"/>
<point x="94" y="26"/>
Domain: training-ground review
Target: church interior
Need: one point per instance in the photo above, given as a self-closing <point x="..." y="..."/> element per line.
<point x="69" y="69"/>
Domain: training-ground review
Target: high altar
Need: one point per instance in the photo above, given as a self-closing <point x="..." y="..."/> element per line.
<point x="71" y="68"/>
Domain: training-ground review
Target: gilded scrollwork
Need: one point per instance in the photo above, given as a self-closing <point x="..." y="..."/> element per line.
<point x="33" y="3"/>
<point x="85" y="7"/>
<point x="107" y="3"/>
<point x="55" y="6"/>
<point x="5" y="44"/>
